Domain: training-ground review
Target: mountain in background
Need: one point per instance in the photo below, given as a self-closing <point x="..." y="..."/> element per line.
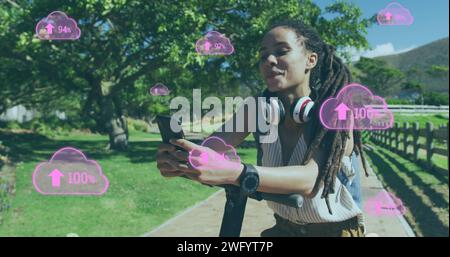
<point x="415" y="64"/>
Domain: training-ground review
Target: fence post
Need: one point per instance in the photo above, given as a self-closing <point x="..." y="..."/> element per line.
<point x="397" y="134"/>
<point x="415" y="134"/>
<point x="389" y="138"/>
<point x="448" y="162"/>
<point x="429" y="143"/>
<point x="405" y="138"/>
<point x="447" y="144"/>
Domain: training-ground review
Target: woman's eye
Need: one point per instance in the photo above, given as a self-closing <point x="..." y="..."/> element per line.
<point x="282" y="52"/>
<point x="263" y="57"/>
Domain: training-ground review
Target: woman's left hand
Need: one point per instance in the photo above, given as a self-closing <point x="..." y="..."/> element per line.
<point x="206" y="165"/>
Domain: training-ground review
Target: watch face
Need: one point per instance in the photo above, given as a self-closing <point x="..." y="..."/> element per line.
<point x="250" y="183"/>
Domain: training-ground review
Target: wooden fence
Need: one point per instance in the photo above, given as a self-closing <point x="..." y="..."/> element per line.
<point x="408" y="134"/>
<point x="414" y="109"/>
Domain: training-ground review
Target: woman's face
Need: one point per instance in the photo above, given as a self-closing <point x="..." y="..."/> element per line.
<point x="283" y="60"/>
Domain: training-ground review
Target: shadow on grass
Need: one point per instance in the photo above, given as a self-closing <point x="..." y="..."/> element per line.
<point x="422" y="162"/>
<point x="142" y="151"/>
<point x="427" y="221"/>
<point x="442" y="177"/>
<point x="437" y="198"/>
<point x="29" y="147"/>
<point x="23" y="146"/>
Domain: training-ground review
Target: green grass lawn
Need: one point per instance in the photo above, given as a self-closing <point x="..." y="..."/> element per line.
<point x="138" y="198"/>
<point x="436" y="119"/>
<point x="424" y="193"/>
<point x="438" y="160"/>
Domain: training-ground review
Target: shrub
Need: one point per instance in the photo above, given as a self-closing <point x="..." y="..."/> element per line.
<point x="7" y="181"/>
<point x="398" y="101"/>
<point x="138" y="125"/>
<point x="10" y="124"/>
<point x="432" y="98"/>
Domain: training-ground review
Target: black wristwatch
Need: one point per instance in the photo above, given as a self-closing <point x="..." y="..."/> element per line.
<point x="249" y="180"/>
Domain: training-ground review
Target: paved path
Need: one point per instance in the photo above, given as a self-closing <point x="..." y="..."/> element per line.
<point x="204" y="218"/>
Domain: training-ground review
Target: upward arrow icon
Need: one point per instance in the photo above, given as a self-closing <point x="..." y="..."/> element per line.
<point x="388" y="16"/>
<point x="49" y="28"/>
<point x="342" y="111"/>
<point x="56" y="177"/>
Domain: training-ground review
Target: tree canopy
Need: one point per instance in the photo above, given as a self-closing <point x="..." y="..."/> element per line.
<point x="126" y="46"/>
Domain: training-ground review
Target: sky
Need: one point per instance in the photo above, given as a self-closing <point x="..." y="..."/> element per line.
<point x="430" y="23"/>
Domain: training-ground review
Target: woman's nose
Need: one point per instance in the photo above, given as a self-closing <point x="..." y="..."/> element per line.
<point x="270" y="60"/>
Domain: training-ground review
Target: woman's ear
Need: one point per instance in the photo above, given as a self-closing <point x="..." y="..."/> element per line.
<point x="311" y="60"/>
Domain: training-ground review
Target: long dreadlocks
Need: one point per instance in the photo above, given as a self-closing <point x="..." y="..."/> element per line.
<point x="326" y="79"/>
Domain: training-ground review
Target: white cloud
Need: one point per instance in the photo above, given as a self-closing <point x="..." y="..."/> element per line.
<point x="379" y="50"/>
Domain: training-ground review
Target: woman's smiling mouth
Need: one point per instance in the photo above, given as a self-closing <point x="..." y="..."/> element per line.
<point x="273" y="74"/>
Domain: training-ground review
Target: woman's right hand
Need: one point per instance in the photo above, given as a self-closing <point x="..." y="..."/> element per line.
<point x="167" y="161"/>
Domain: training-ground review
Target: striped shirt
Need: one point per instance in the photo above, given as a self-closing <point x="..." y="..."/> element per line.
<point x="313" y="210"/>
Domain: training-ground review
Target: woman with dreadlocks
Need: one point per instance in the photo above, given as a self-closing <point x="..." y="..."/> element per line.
<point x="302" y="71"/>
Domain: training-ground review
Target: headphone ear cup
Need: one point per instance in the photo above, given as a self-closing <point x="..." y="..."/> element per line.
<point x="301" y="109"/>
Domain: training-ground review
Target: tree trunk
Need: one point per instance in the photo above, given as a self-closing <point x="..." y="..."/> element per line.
<point x="114" y="121"/>
<point x="118" y="133"/>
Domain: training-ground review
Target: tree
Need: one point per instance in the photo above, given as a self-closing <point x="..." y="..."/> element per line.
<point x="413" y="87"/>
<point x="377" y="75"/>
<point x="432" y="98"/>
<point x="126" y="46"/>
<point x="437" y="71"/>
<point x="415" y="74"/>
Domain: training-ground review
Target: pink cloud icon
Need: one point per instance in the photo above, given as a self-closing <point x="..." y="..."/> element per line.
<point x="57" y="26"/>
<point x="214" y="43"/>
<point x="219" y="155"/>
<point x="159" y="89"/>
<point x="69" y="172"/>
<point x="395" y="15"/>
<point x="355" y="107"/>
<point x="384" y="204"/>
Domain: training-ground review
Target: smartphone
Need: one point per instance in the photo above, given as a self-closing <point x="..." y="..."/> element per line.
<point x="167" y="133"/>
<point x="166" y="130"/>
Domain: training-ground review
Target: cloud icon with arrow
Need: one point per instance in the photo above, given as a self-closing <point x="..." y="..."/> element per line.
<point x="216" y="154"/>
<point x="57" y="26"/>
<point x="214" y="43"/>
<point x="159" y="90"/>
<point x="384" y="204"/>
<point x="395" y="15"/>
<point x="69" y="172"/>
<point x="355" y="107"/>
